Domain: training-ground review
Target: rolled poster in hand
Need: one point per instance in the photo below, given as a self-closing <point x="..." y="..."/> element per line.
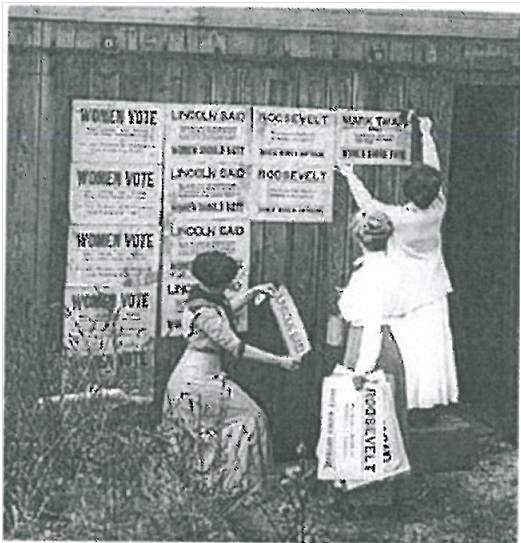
<point x="290" y="324"/>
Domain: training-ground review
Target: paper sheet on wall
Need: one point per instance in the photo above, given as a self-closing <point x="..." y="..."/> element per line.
<point x="105" y="320"/>
<point x="184" y="241"/>
<point x="117" y="132"/>
<point x="109" y="255"/>
<point x="117" y="194"/>
<point x="372" y="138"/>
<point x="207" y="161"/>
<point x="293" y="158"/>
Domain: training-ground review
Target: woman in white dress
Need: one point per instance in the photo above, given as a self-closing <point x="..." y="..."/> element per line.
<point x="369" y="299"/>
<point x="423" y="330"/>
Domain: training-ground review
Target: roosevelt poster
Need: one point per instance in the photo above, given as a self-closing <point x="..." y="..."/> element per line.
<point x="293" y="158"/>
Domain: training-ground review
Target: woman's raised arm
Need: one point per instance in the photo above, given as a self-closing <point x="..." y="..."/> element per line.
<point x="362" y="196"/>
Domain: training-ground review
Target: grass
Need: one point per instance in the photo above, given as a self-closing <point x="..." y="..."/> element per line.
<point x="78" y="472"/>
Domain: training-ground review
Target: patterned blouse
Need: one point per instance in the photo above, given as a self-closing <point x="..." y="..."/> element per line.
<point x="207" y="329"/>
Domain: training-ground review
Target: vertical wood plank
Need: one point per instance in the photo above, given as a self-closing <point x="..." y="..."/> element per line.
<point x="134" y="77"/>
<point x="71" y="82"/>
<point x="104" y="77"/>
<point x="166" y="79"/>
<point x="44" y="245"/>
<point x="22" y="188"/>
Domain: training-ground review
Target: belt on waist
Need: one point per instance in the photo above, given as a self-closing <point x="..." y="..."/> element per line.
<point x="204" y="351"/>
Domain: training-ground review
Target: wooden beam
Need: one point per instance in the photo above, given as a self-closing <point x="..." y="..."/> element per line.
<point x="348" y="21"/>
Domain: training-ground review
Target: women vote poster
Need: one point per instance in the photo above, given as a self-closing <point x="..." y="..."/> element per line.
<point x="373" y="138"/>
<point x="207" y="161"/>
<point x="114" y="236"/>
<point x="115" y="193"/>
<point x="106" y="320"/>
<point x="110" y="255"/>
<point x="293" y="159"/>
<point x="117" y="133"/>
<point x="186" y="239"/>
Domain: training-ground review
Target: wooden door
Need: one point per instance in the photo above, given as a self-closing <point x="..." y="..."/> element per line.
<point x="482" y="247"/>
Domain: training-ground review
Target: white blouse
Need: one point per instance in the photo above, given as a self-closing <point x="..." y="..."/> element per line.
<point x="372" y="297"/>
<point x="415" y="246"/>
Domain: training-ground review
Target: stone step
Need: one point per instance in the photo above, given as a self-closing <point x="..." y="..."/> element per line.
<point x="450" y="444"/>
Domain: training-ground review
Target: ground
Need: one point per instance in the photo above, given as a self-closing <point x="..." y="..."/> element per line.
<point x="119" y="483"/>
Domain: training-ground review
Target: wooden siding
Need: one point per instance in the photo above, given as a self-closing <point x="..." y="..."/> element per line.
<point x="53" y="62"/>
<point x="417" y="22"/>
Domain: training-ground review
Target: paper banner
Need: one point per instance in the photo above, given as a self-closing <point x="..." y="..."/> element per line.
<point x="109" y="320"/>
<point x="290" y="323"/>
<point x="293" y="161"/>
<point x="207" y="161"/>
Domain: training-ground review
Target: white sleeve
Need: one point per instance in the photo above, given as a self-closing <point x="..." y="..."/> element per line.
<point x="369" y="348"/>
<point x="430" y="153"/>
<point x="364" y="200"/>
<point x="370" y="318"/>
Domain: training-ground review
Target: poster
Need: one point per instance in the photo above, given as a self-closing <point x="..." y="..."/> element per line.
<point x="373" y="138"/>
<point x="115" y="194"/>
<point x="110" y="255"/>
<point x="117" y="133"/>
<point x="108" y="320"/>
<point x="208" y="189"/>
<point x="294" y="152"/>
<point x="207" y="160"/>
<point x="183" y="242"/>
<point x="290" y="323"/>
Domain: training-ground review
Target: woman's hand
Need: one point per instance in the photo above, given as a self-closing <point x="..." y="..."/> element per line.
<point x="289" y="363"/>
<point x="345" y="168"/>
<point x="261" y="292"/>
<point x="359" y="381"/>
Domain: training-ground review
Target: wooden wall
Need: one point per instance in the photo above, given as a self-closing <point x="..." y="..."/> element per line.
<point x="53" y="62"/>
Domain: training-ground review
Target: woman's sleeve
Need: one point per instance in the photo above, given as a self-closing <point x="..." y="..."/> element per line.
<point x="216" y="326"/>
<point x="362" y="306"/>
<point x="370" y="347"/>
<point x="364" y="199"/>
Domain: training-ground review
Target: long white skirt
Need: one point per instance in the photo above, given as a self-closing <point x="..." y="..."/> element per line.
<point x="424" y="338"/>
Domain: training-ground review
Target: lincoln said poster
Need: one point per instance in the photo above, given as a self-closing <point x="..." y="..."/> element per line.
<point x="207" y="160"/>
<point x="187" y="238"/>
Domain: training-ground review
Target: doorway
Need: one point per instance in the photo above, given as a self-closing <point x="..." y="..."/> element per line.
<point x="482" y="249"/>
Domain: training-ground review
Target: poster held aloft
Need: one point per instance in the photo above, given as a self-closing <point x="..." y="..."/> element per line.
<point x="373" y="138"/>
<point x="289" y="322"/>
<point x="360" y="441"/>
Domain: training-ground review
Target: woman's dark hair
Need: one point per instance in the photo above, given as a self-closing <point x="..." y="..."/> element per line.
<point x="422" y="186"/>
<point x="214" y="269"/>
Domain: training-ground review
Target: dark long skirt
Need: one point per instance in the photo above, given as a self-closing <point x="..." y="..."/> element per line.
<point x="390" y="361"/>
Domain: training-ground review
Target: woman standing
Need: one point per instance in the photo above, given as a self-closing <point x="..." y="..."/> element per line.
<point x="423" y="331"/>
<point x="229" y="419"/>
<point x="370" y="298"/>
